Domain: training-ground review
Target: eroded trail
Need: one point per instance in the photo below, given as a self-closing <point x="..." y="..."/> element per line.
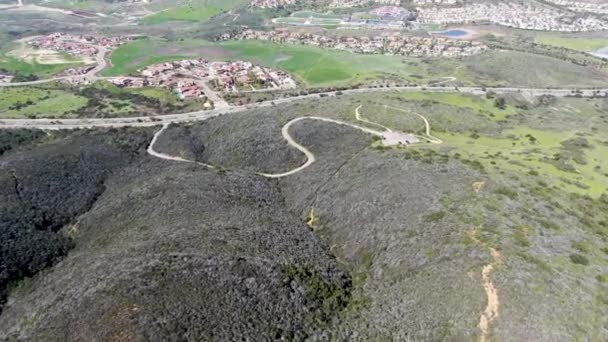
<point x="490" y="313"/>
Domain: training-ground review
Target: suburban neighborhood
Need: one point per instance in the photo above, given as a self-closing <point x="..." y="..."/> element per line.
<point x="386" y="43"/>
<point x="188" y="78"/>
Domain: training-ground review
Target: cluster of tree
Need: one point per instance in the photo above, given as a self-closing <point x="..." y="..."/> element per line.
<point x="45" y="188"/>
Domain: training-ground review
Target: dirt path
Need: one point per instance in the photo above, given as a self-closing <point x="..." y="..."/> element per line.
<point x="310" y="157"/>
<point x="490" y="312"/>
<point x="359" y="117"/>
<point x="164" y="156"/>
<point x="427" y="125"/>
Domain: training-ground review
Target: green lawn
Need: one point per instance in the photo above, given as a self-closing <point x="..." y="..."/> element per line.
<point x="571" y="42"/>
<point x="19" y="102"/>
<point x="140" y="53"/>
<point x="200" y="10"/>
<point x="320" y="67"/>
<point x="313" y="66"/>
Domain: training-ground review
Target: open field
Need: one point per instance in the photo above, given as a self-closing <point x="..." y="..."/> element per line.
<point x="315" y="66"/>
<point x="197" y="10"/>
<point x="310" y="18"/>
<point x="32" y="55"/>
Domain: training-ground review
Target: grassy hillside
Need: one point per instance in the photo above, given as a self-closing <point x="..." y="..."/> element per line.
<point x="529" y="70"/>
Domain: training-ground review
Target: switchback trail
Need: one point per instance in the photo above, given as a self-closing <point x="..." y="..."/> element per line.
<point x="310" y="157"/>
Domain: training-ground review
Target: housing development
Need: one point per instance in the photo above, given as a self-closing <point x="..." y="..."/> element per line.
<point x="186" y="77"/>
<point x="385" y="43"/>
<point x="303" y="170"/>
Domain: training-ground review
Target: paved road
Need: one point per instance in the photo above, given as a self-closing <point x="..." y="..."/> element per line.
<point x="204" y="115"/>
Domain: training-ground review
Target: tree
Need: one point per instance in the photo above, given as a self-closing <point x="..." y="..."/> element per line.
<point x="500" y="103"/>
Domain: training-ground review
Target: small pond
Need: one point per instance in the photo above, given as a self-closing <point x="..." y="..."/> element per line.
<point x="453" y="33"/>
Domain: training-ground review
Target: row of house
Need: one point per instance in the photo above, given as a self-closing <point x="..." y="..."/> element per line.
<point x="388" y="43"/>
<point x="330" y="3"/>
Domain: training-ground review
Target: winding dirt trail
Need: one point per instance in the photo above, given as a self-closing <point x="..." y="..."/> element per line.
<point x="310" y="157"/>
<point x="359" y="117"/>
<point x="164" y="156"/>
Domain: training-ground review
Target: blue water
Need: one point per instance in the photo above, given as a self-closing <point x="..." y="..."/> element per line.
<point x="453" y="33"/>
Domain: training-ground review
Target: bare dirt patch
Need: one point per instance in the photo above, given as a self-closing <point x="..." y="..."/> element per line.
<point x="30" y="54"/>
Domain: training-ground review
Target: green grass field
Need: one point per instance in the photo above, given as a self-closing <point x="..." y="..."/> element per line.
<point x="318" y="67"/>
<point x="140" y="53"/>
<point x="570" y="42"/>
<point x="313" y="66"/>
<point x="20" y="102"/>
<point x="200" y="10"/>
